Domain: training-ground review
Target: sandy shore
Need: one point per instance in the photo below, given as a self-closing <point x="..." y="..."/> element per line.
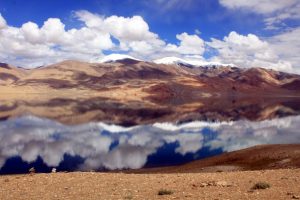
<point x="284" y="184"/>
<point x="218" y="177"/>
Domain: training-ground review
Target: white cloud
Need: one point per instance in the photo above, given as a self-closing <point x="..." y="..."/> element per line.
<point x="2" y="22"/>
<point x="248" y="51"/>
<point x="259" y="6"/>
<point x="197" y="31"/>
<point x="287" y="46"/>
<point x="31" y="33"/>
<point x="167" y="5"/>
<point x="275" y="12"/>
<point x="132" y="32"/>
<point x="53" y="30"/>
<point x="190" y="44"/>
<point x="128" y="29"/>
<point x="31" y="45"/>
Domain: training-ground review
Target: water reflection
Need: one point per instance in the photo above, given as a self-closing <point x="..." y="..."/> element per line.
<point x="77" y="110"/>
<point x="31" y="141"/>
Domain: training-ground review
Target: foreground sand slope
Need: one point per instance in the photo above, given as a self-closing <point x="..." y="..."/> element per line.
<point x="261" y="157"/>
<point x="224" y="185"/>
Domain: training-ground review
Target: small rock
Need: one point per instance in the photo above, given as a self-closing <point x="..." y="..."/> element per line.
<point x="211" y="184"/>
<point x="6" y="180"/>
<point x="223" y="184"/>
<point x="32" y="170"/>
<point x="53" y="170"/>
<point x="203" y="184"/>
<point x="296" y="197"/>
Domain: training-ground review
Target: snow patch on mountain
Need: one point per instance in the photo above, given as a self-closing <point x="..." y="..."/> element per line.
<point x="116" y="57"/>
<point x="195" y="63"/>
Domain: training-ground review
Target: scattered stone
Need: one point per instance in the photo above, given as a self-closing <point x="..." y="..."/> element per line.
<point x="6" y="180"/>
<point x="203" y="184"/>
<point x="32" y="170"/>
<point x="129" y="197"/>
<point x="296" y="197"/>
<point x="217" y="183"/>
<point x="165" y="192"/>
<point x="261" y="186"/>
<point x="223" y="184"/>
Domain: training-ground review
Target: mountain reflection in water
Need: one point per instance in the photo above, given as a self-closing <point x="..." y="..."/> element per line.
<point x="31" y="141"/>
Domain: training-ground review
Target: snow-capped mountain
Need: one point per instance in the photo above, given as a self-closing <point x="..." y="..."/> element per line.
<point x="166" y="61"/>
<point x="171" y="61"/>
<point x="116" y="57"/>
<point x="195" y="63"/>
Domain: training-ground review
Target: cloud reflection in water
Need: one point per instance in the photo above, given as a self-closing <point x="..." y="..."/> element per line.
<point x="103" y="146"/>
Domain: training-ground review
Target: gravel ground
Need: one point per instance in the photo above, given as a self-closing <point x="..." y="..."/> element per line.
<point x="284" y="184"/>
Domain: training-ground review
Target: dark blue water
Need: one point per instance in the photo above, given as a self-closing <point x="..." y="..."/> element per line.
<point x="44" y="144"/>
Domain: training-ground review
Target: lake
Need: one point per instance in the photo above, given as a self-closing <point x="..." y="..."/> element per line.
<point x="29" y="140"/>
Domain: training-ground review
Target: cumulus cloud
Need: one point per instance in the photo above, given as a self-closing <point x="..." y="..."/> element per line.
<point x="31" y="45"/>
<point x="189" y="44"/>
<point x="248" y="51"/>
<point x="126" y="29"/>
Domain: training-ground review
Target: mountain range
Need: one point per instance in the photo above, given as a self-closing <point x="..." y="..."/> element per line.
<point x="125" y="90"/>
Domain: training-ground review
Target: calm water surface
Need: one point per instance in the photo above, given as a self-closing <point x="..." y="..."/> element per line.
<point x="30" y="141"/>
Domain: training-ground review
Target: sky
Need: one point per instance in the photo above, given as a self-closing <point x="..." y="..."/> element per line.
<point x="247" y="33"/>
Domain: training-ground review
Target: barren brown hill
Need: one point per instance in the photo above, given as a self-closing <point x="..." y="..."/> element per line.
<point x="131" y="92"/>
<point x="131" y="73"/>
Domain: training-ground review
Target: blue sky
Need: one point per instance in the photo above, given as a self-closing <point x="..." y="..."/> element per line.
<point x="246" y="33"/>
<point x="213" y="19"/>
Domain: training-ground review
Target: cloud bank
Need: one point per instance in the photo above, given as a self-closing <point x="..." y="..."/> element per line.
<point x="32" y="46"/>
